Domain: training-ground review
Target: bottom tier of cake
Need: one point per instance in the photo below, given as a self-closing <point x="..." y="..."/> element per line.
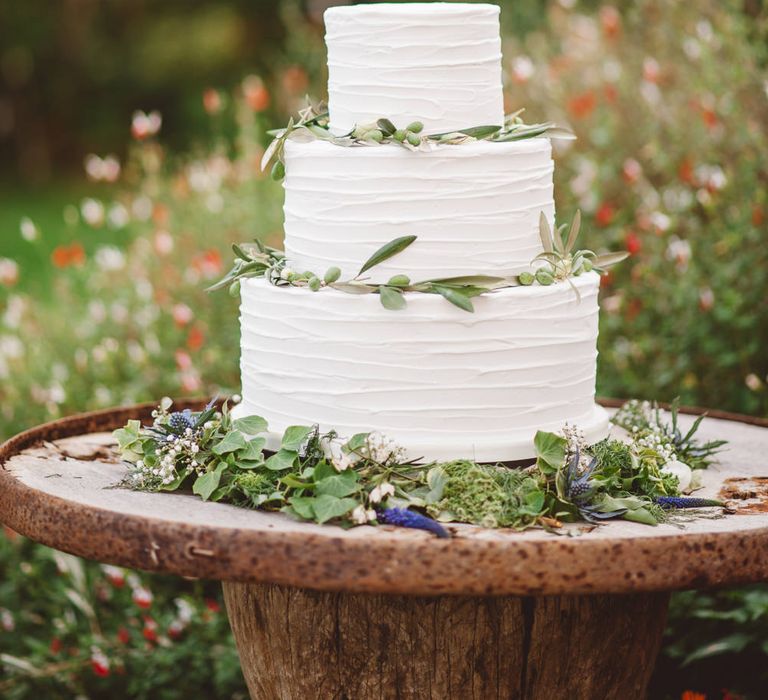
<point x="442" y="382"/>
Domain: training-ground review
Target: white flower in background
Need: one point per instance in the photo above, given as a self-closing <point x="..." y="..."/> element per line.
<point x="661" y="221"/>
<point x="92" y="211"/>
<point x="110" y="258"/>
<point x="612" y="70"/>
<point x="753" y="382"/>
<point x="692" y="48"/>
<point x="522" y="69"/>
<point x="14" y="310"/>
<point x="681" y="470"/>
<point x="163" y="242"/>
<point x="97" y="311"/>
<point x="29" y="232"/>
<point x="11" y="347"/>
<point x="105" y="169"/>
<point x="6" y="620"/>
<point x="9" y="272"/>
<point x="144" y="125"/>
<point x="679" y="251"/>
<point x="118" y="216"/>
<point x="142" y="207"/>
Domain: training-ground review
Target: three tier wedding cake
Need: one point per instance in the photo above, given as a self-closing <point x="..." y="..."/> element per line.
<point x="440" y="381"/>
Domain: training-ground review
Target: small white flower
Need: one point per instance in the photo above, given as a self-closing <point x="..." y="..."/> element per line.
<point x="359" y="515"/>
<point x="681" y="470"/>
<point x="341" y="461"/>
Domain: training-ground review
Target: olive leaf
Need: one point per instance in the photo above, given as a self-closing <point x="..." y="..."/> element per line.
<point x="456" y="297"/>
<point x="391" y="298"/>
<point x="545" y="233"/>
<point x="485" y="281"/>
<point x="387" y="251"/>
<point x="573" y="234"/>
<point x="608" y="259"/>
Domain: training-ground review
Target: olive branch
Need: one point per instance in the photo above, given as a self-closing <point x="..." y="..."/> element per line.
<point x="558" y="262"/>
<point x="312" y="124"/>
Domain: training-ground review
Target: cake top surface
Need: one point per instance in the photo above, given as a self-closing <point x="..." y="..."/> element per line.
<point x="411" y="9"/>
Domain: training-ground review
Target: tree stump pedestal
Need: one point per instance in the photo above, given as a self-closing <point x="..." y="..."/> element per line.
<point x="373" y="613"/>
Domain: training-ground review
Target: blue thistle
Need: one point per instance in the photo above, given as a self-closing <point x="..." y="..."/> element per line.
<point x="181" y="420"/>
<point x="672" y="502"/>
<point x="402" y="517"/>
<point x="580" y="491"/>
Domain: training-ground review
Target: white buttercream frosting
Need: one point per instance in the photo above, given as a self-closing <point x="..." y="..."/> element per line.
<point x="439" y="63"/>
<point x="475" y="207"/>
<point x="442" y="382"/>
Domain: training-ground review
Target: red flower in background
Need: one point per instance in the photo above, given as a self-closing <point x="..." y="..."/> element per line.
<point x="212" y="102"/>
<point x="255" y="93"/>
<point x="208" y="263"/>
<point x="123" y="635"/>
<point x="150" y="630"/>
<point x="610" y="21"/>
<point x="195" y="338"/>
<point x="632" y="243"/>
<point x="65" y="256"/>
<point x="582" y="106"/>
<point x="685" y="171"/>
<point x="758" y="215"/>
<point x="709" y="117"/>
<point x="605" y="214"/>
<point x="295" y="80"/>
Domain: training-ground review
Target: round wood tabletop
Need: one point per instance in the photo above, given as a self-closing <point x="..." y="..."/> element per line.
<point x="56" y="487"/>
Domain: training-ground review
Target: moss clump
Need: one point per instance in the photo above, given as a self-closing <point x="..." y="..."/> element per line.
<point x="488" y="495"/>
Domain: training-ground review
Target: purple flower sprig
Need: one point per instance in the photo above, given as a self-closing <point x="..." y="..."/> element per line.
<point x="674" y="502"/>
<point x="402" y="517"/>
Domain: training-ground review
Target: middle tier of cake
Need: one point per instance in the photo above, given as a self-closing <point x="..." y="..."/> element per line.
<point x="475" y="207"/>
<point x="442" y="382"/>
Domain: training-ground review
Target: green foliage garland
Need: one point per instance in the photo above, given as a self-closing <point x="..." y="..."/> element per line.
<point x="318" y="477"/>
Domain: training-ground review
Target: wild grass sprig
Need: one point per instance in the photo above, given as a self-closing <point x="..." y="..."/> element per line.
<point x="312" y="124"/>
<point x="648" y="425"/>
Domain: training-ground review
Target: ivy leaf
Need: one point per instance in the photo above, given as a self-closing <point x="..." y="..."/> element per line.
<point x="339" y="485"/>
<point x="387" y="251"/>
<point x="283" y="459"/>
<point x="253" y="451"/>
<point x="302" y="506"/>
<point x="355" y="443"/>
<point x="294" y="436"/>
<point x="550" y="450"/>
<point x="232" y="441"/>
<point x="326" y="507"/>
<point x="392" y="299"/>
<point x="456" y="297"/>
<point x="206" y="484"/>
<point x="128" y="435"/>
<point x="250" y="425"/>
<point x="437" y="478"/>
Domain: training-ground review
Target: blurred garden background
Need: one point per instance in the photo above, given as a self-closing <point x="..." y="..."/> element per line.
<point x="130" y="137"/>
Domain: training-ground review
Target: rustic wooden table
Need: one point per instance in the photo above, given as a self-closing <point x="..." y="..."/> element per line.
<point x="320" y="612"/>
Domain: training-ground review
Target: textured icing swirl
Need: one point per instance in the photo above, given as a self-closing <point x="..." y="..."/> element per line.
<point x="443" y="382"/>
<point x="439" y="63"/>
<point x="475" y="207"/>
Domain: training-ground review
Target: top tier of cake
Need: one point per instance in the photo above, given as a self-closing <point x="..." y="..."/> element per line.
<point x="439" y="63"/>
